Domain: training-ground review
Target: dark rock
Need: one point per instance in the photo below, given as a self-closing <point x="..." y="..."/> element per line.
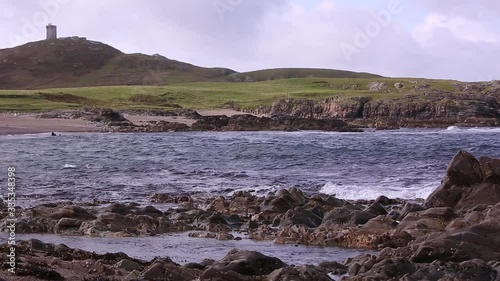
<point x="479" y="241"/>
<point x="490" y="169"/>
<point x="383" y="200"/>
<point x="210" y="123"/>
<point x="333" y="267"/>
<point x="348" y="215"/>
<point x="376" y="209"/>
<point x="300" y="216"/>
<point x="247" y="263"/>
<point x="299" y="273"/>
<point x="409" y="208"/>
<point x="481" y="194"/>
<point x="463" y="172"/>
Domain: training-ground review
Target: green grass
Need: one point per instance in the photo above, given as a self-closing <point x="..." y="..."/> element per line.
<point x="208" y="95"/>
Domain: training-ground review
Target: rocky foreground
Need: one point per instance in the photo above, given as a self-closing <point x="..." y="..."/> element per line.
<point x="452" y="235"/>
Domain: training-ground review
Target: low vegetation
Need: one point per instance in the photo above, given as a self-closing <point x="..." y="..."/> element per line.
<point x="213" y="95"/>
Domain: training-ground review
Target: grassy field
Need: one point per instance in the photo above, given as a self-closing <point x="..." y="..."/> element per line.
<point x="210" y="95"/>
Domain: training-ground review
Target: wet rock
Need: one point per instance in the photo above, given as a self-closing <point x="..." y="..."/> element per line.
<point x="333" y="267"/>
<point x="202" y="235"/>
<point x="210" y="123"/>
<point x="490" y="169"/>
<point x="390" y="268"/>
<point x="279" y="203"/>
<point x="168" y="198"/>
<point x="481" y="194"/>
<point x="348" y="215"/>
<point x="164" y="126"/>
<point x="247" y="263"/>
<point x="376" y="209"/>
<point x="409" y="207"/>
<point x="425" y="222"/>
<point x="132" y="276"/>
<point x="463" y="172"/>
<point x="244" y="203"/>
<point x="479" y="241"/>
<point x="299" y="273"/>
<point x="383" y="200"/>
<point x="300" y="216"/>
<point x="215" y="275"/>
<point x="167" y="271"/>
<point x="128" y="265"/>
<point x="224" y="236"/>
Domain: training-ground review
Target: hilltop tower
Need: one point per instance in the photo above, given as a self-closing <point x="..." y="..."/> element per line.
<point x="51" y="32"/>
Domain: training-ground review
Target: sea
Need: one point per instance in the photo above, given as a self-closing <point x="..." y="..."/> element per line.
<point x="81" y="167"/>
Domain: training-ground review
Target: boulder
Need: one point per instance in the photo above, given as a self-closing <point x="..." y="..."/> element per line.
<point x="490" y="169"/>
<point x="377" y="86"/>
<point x="247" y="263"/>
<point x="463" y="172"/>
<point x="210" y="123"/>
<point x="481" y="194"/>
<point x="299" y="273"/>
<point x="348" y="215"/>
<point x="299" y="215"/>
<point x="479" y="241"/>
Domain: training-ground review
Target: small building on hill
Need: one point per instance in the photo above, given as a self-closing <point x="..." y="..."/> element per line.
<point x="51" y="32"/>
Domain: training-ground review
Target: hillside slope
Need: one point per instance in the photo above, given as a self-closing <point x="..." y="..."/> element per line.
<point x="287" y="73"/>
<point x="77" y="62"/>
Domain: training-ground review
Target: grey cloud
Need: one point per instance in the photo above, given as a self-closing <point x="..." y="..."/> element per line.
<point x="255" y="34"/>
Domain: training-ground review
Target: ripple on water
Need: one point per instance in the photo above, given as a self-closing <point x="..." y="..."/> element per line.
<point x="403" y="163"/>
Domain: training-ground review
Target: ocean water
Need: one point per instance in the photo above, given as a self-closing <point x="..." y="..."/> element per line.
<point x="180" y="248"/>
<point x="129" y="167"/>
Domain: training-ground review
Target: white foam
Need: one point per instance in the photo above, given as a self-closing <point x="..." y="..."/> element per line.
<point x="357" y="192"/>
<point x="69" y="166"/>
<point x="473" y="130"/>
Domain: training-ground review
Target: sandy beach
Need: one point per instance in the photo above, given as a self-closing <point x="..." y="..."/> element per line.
<point x="12" y="124"/>
<point x="15" y="123"/>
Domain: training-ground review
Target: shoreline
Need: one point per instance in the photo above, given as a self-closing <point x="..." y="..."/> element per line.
<point x="205" y="120"/>
<point x="458" y="234"/>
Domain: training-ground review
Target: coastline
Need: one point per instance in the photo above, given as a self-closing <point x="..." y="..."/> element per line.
<point x="452" y="237"/>
<point x="144" y="121"/>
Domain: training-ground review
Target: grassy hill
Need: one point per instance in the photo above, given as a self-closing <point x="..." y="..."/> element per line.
<point x="75" y="72"/>
<point x="76" y="62"/>
<point x="208" y="95"/>
<point x="286" y="73"/>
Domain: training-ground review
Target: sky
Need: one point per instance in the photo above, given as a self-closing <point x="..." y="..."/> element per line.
<point x="447" y="39"/>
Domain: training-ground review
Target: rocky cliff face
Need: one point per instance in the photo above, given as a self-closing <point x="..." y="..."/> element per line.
<point x="432" y="109"/>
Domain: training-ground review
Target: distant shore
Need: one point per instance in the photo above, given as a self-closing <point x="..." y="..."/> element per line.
<point x="30" y="123"/>
<point x="14" y="124"/>
<point x="183" y="120"/>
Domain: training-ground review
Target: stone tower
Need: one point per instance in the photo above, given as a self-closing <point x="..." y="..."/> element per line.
<point x="51" y="32"/>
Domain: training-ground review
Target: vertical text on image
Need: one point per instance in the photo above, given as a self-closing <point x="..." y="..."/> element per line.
<point x="11" y="220"/>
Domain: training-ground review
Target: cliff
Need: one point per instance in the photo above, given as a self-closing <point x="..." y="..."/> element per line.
<point x="429" y="109"/>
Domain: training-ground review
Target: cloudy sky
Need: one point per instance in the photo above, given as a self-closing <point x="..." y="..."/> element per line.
<point x="457" y="39"/>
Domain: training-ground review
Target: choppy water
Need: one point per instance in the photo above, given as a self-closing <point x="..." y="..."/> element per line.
<point x="129" y="167"/>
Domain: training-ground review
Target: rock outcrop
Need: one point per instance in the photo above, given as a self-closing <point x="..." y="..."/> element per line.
<point x="468" y="183"/>
<point x="430" y="109"/>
